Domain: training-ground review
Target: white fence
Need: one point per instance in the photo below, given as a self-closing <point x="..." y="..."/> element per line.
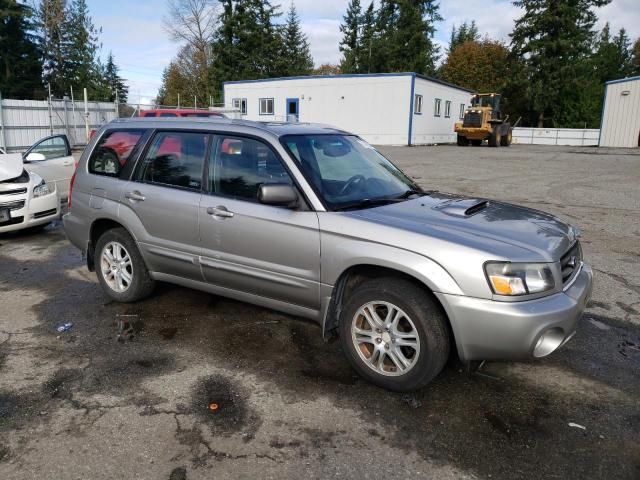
<point x="582" y="137"/>
<point x="23" y="122"/>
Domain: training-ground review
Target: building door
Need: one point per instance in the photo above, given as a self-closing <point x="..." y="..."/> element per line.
<point x="293" y="112"/>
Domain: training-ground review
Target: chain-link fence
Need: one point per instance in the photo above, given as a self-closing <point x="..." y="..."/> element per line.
<point x="24" y="122"/>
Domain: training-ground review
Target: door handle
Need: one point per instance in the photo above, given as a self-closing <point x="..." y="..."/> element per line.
<point x="135" y="196"/>
<point x="66" y="164"/>
<point x="220" y="211"/>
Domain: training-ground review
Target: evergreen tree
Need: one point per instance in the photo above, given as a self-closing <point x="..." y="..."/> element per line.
<point x="412" y="47"/>
<point x="296" y="54"/>
<point x="386" y="25"/>
<point x="466" y="33"/>
<point x="397" y="38"/>
<point x="635" y="58"/>
<point x="554" y="38"/>
<point x="174" y="87"/>
<point x="248" y="43"/>
<point x="114" y="82"/>
<point x="20" y="68"/>
<point x="52" y="40"/>
<point x="366" y="39"/>
<point x="81" y="68"/>
<point x="224" y="47"/>
<point x="350" y="35"/>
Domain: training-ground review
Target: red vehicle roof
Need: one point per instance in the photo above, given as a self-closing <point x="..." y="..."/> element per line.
<point x="179" y="112"/>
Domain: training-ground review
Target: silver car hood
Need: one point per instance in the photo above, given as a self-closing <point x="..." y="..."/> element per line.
<point x="11" y="166"/>
<point x="437" y="214"/>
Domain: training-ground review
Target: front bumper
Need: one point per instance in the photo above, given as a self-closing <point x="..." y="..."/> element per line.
<point x="36" y="211"/>
<point x="473" y="133"/>
<point x="491" y="330"/>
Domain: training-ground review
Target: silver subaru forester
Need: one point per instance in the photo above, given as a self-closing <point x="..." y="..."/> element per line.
<point x="313" y="221"/>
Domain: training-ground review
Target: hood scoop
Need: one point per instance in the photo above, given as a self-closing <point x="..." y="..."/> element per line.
<point x="462" y="208"/>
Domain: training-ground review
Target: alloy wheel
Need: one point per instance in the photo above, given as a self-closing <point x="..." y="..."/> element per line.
<point x="116" y="267"/>
<point x="385" y="338"/>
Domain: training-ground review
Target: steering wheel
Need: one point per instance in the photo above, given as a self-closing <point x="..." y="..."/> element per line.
<point x="350" y="183"/>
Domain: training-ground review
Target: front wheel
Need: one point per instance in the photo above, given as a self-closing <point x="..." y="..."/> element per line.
<point x="120" y="267"/>
<point x="495" y="139"/>
<point x="462" y="141"/>
<point x="505" y="141"/>
<point x="394" y="334"/>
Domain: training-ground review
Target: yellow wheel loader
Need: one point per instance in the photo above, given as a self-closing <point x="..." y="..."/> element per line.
<point x="484" y="121"/>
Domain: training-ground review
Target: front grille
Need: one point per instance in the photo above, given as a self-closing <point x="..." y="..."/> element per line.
<point x="46" y="213"/>
<point x="570" y="262"/>
<point x="17" y="191"/>
<point x="472" y="120"/>
<point x="13" y="221"/>
<point x="17" y="205"/>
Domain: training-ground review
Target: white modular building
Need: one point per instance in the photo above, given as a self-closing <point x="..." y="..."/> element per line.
<point x="620" y="124"/>
<point x="384" y="109"/>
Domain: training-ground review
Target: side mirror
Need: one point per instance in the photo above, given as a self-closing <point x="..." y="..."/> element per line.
<point x="35" y="157"/>
<point x="278" y="194"/>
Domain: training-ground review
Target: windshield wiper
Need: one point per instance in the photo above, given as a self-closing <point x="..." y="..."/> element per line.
<point x="367" y="202"/>
<point x="410" y="192"/>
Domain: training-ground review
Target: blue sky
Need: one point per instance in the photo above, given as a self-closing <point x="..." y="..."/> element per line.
<point x="133" y="30"/>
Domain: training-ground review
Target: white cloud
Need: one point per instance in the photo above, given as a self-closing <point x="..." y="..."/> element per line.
<point x="621" y="13"/>
<point x="324" y="37"/>
<point x="494" y="18"/>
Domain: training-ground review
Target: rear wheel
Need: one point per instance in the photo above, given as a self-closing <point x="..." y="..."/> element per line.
<point x="495" y="138"/>
<point x="505" y="141"/>
<point x="476" y="143"/>
<point x="394" y="334"/>
<point x="462" y="141"/>
<point x="120" y="267"/>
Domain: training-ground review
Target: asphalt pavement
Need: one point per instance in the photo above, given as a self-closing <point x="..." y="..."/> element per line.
<point x="190" y="385"/>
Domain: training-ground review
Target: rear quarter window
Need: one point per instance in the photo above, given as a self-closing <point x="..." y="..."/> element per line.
<point x="114" y="150"/>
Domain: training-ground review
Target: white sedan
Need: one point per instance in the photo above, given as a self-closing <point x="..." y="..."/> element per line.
<point x="34" y="184"/>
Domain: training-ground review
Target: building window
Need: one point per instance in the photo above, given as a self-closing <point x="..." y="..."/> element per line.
<point x="436" y="107"/>
<point x="417" y="105"/>
<point x="266" y="106"/>
<point x="240" y="104"/>
<point x="447" y="109"/>
<point x="462" y="111"/>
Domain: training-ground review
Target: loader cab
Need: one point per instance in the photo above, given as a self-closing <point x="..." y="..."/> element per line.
<point x="488" y="101"/>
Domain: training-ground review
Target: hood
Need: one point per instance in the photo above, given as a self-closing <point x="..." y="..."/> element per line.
<point x="11" y="166"/>
<point x="447" y="215"/>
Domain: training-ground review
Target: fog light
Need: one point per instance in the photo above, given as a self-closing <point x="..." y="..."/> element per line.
<point x="548" y="342"/>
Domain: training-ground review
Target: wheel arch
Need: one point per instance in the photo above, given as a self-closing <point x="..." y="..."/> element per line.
<point x="355" y="275"/>
<point x="98" y="227"/>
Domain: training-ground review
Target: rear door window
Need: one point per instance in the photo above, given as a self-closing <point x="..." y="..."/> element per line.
<point x="175" y="159"/>
<point x="113" y="151"/>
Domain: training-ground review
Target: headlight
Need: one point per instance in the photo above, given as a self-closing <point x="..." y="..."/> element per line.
<point x="41" y="189"/>
<point x="519" y="278"/>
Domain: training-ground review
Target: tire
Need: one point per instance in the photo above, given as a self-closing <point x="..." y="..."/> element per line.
<point x="420" y="318"/>
<point x="462" y="141"/>
<point x="121" y="246"/>
<point x="495" y="138"/>
<point x="476" y="143"/>
<point x="505" y="140"/>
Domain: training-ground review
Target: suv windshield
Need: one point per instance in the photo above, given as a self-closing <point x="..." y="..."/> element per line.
<point x="346" y="172"/>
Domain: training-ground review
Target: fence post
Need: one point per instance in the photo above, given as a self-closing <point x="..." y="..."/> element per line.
<point x="86" y="115"/>
<point x="66" y="115"/>
<point x="75" y="123"/>
<point x="50" y="111"/>
<point x="3" y="138"/>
